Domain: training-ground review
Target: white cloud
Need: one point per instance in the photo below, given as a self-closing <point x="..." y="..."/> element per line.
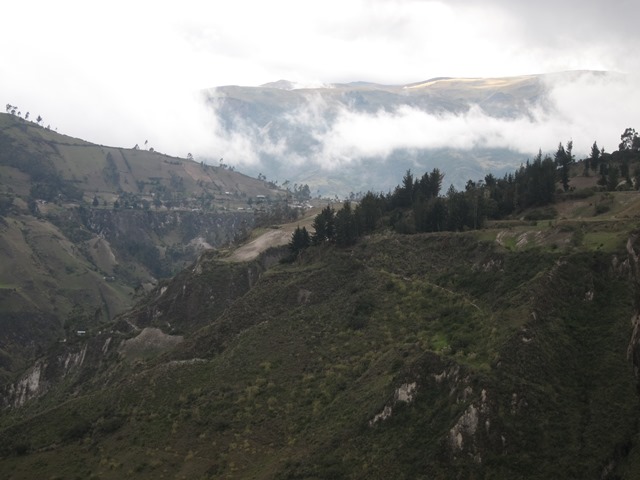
<point x="596" y="107"/>
<point x="582" y="108"/>
<point x="123" y="72"/>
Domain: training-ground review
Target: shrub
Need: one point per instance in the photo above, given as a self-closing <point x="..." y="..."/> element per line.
<point x="110" y="425"/>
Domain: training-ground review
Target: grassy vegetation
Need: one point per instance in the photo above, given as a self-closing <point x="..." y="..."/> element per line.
<point x="284" y="381"/>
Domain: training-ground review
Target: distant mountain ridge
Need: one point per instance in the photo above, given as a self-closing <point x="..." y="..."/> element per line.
<point x="297" y="131"/>
<point x="349" y="137"/>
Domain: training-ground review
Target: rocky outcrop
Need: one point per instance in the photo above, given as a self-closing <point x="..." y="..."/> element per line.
<point x="213" y="228"/>
<point x="72" y="361"/>
<point x="149" y="342"/>
<point x="404" y="394"/>
<point x="470" y="433"/>
<point x="29" y="386"/>
<point x="194" y="298"/>
<point x="162" y="242"/>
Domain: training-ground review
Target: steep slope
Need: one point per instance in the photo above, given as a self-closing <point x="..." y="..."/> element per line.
<point x="85" y="228"/>
<point x="425" y="356"/>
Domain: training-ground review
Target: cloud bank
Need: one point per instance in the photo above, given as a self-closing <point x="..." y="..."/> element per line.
<point x="583" y="108"/>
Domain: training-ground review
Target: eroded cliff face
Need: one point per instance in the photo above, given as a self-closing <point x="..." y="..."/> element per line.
<point x="216" y="229"/>
<point x="83" y="363"/>
<point x="201" y="292"/>
<point x="78" y="267"/>
<point x="193" y="299"/>
<point x="161" y="241"/>
<point x="64" y="362"/>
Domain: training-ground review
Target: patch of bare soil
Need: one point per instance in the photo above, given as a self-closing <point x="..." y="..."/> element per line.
<point x="568" y="209"/>
<point x="102" y="255"/>
<point x="150" y="341"/>
<point x="272" y="238"/>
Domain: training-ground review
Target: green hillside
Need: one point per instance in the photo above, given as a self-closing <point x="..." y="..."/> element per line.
<point x="489" y="333"/>
<point x="423" y="356"/>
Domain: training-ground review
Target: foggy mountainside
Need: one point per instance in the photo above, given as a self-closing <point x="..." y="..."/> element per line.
<point x="359" y="136"/>
<point x="488" y="331"/>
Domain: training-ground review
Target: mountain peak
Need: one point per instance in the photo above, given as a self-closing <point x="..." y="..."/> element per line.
<point x="280" y="85"/>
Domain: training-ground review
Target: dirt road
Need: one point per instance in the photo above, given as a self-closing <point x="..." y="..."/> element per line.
<point x="272" y="238"/>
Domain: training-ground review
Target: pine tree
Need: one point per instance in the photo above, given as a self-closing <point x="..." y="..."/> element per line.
<point x="346" y="226"/>
<point x="300" y="240"/>
<point x="594" y="159"/>
<point x="562" y="161"/>
<point x="324" y="226"/>
<point x="430" y="184"/>
<point x="369" y="211"/>
<point x="403" y="195"/>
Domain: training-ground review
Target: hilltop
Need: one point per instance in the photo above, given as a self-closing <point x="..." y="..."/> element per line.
<point x="84" y="171"/>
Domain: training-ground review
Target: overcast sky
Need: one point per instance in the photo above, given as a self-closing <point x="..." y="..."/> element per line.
<point x="121" y="72"/>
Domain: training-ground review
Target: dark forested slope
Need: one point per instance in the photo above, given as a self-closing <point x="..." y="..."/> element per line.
<point x="423" y="356"/>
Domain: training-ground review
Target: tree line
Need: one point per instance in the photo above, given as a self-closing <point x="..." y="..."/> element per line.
<point x="418" y="205"/>
<point x="15" y="110"/>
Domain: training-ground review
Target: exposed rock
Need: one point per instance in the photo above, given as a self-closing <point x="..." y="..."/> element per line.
<point x="465" y="435"/>
<point x="303" y="296"/>
<point x="404" y="394"/>
<point x="28" y="387"/>
<point x="465" y="427"/>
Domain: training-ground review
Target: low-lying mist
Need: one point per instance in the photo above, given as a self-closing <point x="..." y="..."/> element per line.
<point x="328" y="139"/>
